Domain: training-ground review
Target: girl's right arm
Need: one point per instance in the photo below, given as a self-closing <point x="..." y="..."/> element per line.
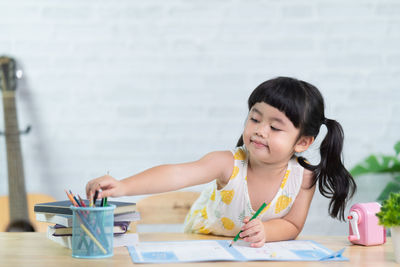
<point x="163" y="178"/>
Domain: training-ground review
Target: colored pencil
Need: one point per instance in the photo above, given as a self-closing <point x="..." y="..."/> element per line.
<point x="82" y="201"/>
<point x="96" y="193"/>
<point x="91" y="199"/>
<point x="77" y="201"/>
<point x="93" y="238"/>
<point x="71" y="199"/>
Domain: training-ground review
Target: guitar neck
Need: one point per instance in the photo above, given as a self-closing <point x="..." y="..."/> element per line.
<point x="16" y="180"/>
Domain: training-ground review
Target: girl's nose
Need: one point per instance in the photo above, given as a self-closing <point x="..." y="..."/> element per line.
<point x="262" y="130"/>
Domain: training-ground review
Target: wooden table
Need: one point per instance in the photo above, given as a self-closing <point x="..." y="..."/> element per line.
<point x="34" y="249"/>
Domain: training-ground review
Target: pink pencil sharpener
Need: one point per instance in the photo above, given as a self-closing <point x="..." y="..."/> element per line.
<point x="363" y="225"/>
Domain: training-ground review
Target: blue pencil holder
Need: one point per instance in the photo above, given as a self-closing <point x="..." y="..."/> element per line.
<point x="92" y="232"/>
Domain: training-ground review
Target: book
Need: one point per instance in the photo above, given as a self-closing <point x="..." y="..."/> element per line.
<point x="63" y="207"/>
<point x="128" y="239"/>
<point x="119" y="228"/>
<point x="128" y="216"/>
<point x="66" y="220"/>
<point x="65" y="241"/>
<point x="219" y="250"/>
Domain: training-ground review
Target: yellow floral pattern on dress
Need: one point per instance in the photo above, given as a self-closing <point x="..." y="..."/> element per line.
<point x="234" y="172"/>
<point x="204" y="213"/>
<point x="285" y="179"/>
<point x="204" y="230"/>
<point x="227" y="196"/>
<point x="227" y="223"/>
<point x="282" y="203"/>
<point x="240" y="155"/>
<point x="213" y="195"/>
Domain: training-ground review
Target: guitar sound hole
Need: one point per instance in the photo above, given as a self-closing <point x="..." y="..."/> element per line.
<point x="20" y="226"/>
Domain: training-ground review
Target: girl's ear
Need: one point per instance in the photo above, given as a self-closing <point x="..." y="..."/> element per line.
<point x="303" y="143"/>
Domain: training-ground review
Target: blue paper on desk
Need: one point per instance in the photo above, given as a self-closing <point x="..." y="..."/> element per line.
<point x="219" y="250"/>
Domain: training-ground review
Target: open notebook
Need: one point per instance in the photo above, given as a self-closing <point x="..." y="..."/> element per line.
<point x="219" y="250"/>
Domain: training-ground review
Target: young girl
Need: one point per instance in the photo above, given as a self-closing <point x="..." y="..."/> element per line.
<point x="285" y="116"/>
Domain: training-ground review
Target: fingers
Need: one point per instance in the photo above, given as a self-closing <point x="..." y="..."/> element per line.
<point x="92" y="186"/>
<point x="250" y="231"/>
<point x="253" y="231"/>
<point x="104" y="183"/>
<point x="256" y="240"/>
<point x="106" y="193"/>
<point x="257" y="244"/>
<point x="249" y="224"/>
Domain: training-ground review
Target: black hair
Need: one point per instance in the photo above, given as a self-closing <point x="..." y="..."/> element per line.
<point x="303" y="104"/>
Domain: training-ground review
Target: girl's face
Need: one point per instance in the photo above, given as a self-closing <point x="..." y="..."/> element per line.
<point x="270" y="136"/>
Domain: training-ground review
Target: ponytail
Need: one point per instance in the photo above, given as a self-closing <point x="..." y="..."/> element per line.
<point x="334" y="181"/>
<point x="240" y="141"/>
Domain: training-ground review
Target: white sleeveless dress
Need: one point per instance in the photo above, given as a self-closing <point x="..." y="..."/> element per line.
<point x="221" y="212"/>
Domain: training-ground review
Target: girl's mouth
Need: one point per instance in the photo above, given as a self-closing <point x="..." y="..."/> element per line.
<point x="258" y="144"/>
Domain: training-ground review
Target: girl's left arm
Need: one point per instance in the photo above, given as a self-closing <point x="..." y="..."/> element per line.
<point x="290" y="226"/>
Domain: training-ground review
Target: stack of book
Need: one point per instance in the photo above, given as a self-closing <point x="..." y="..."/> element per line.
<point x="60" y="214"/>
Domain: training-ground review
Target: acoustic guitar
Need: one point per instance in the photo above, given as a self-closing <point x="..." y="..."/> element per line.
<point x="16" y="210"/>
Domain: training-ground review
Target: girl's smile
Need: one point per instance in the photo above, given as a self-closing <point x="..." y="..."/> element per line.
<point x="258" y="143"/>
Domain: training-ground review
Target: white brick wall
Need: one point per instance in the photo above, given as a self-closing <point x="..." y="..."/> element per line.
<point x="126" y="85"/>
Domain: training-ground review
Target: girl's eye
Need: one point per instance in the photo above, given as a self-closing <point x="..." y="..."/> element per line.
<point x="275" y="129"/>
<point x="254" y="120"/>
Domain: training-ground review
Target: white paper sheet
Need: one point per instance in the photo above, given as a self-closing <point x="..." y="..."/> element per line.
<point x="219" y="250"/>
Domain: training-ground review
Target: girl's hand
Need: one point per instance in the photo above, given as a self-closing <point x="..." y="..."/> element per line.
<point x="253" y="231"/>
<point x="110" y="187"/>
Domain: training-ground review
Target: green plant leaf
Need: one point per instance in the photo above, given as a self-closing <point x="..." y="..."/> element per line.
<point x="397" y="178"/>
<point x="391" y="164"/>
<point x="369" y="165"/>
<point x="377" y="164"/>
<point x="359" y="170"/>
<point x="373" y="163"/>
<point x="389" y="214"/>
<point x="391" y="187"/>
<point x="397" y="148"/>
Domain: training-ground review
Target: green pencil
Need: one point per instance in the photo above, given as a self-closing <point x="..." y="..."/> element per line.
<point x="254" y="216"/>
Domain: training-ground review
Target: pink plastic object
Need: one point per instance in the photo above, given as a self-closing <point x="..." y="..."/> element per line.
<point x="363" y="225"/>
